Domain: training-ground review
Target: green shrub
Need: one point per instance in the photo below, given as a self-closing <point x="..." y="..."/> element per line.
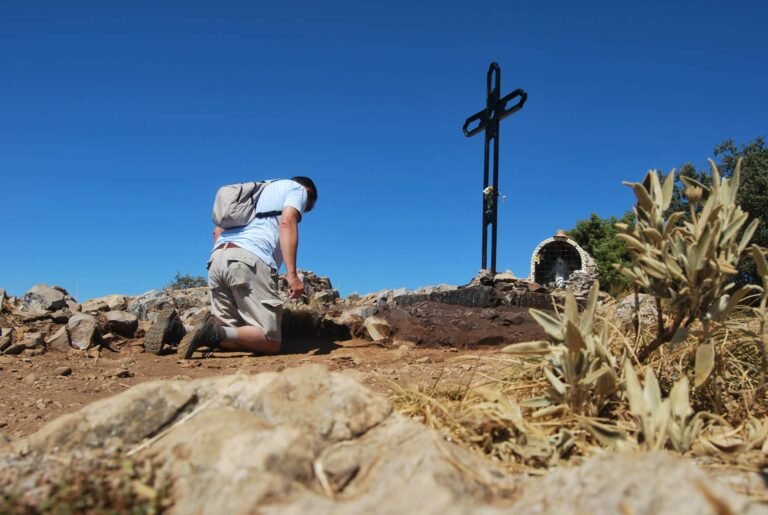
<point x="183" y="282"/>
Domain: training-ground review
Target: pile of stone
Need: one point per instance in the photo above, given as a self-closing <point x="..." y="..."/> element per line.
<point x="483" y="311"/>
<point x="318" y="291"/>
<point x="48" y="318"/>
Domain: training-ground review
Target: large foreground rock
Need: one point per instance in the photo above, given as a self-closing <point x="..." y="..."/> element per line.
<point x="309" y="441"/>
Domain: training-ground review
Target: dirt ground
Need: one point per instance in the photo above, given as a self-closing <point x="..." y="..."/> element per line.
<point x="36" y="391"/>
<point x="430" y="343"/>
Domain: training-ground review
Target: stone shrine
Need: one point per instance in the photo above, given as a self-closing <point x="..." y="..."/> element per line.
<point x="559" y="261"/>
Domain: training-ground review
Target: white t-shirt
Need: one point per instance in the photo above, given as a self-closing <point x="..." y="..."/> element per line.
<point x="261" y="236"/>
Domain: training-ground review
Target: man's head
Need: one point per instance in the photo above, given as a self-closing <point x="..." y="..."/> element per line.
<point x="309" y="185"/>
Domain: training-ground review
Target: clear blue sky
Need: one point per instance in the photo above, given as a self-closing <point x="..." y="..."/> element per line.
<point x="119" y="120"/>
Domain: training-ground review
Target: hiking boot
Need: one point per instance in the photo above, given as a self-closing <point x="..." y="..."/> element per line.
<point x="167" y="330"/>
<point x="207" y="333"/>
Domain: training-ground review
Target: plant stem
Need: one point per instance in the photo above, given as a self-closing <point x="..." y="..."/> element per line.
<point x="662" y="336"/>
<point x="763" y="360"/>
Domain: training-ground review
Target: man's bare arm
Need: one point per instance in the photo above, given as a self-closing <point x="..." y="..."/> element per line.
<point x="289" y="246"/>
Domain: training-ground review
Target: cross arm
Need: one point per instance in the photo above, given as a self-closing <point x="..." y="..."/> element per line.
<point x="500" y="111"/>
<point x="501" y="107"/>
<point x="481" y="117"/>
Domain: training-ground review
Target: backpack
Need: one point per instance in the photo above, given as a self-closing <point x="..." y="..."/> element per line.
<point x="235" y="204"/>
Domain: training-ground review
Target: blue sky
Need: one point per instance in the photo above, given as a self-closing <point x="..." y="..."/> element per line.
<point x="119" y="120"/>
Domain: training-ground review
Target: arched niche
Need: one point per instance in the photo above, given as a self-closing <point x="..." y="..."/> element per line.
<point x="556" y="258"/>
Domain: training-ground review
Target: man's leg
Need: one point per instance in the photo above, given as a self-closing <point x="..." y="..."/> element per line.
<point x="216" y="331"/>
<point x="251" y="339"/>
<point x="246" y="310"/>
<point x="260" y="308"/>
<point x="238" y="335"/>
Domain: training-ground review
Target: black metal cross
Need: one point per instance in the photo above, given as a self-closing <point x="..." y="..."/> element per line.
<point x="488" y="119"/>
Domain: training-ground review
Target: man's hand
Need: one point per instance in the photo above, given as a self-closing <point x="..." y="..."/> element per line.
<point x="289" y="245"/>
<point x="295" y="285"/>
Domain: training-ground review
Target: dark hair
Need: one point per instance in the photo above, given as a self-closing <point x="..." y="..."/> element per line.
<point x="310" y="185"/>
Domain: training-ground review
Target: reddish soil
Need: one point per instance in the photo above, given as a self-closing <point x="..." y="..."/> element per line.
<point x="431" y="342"/>
<point x="34" y="394"/>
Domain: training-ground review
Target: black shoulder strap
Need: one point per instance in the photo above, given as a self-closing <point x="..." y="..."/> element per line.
<point x="269" y="214"/>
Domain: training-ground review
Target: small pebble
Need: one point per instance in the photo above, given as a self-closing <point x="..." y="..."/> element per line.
<point x="118" y="372"/>
<point x="63" y="371"/>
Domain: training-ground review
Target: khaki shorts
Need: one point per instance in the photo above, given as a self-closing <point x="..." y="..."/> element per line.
<point x="244" y="291"/>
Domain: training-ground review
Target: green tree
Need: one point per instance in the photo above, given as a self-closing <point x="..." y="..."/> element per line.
<point x="597" y="236"/>
<point x="183" y="282"/>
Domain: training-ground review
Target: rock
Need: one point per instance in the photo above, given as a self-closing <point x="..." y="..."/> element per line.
<point x="189" y="316"/>
<point x="42" y="298"/>
<point x="581" y="282"/>
<point x="61" y="316"/>
<point x="350" y="321"/>
<point x="403" y="345"/>
<point x="60" y="341"/>
<point x="6" y="331"/>
<point x="5" y="342"/>
<point x="118" y="373"/>
<point x="84" y="332"/>
<point x="399" y="292"/>
<point x="625" y="310"/>
<point x="145" y="304"/>
<point x="106" y="303"/>
<point x="638" y="483"/>
<point x="15" y="349"/>
<point x="109" y="339"/>
<point x="63" y="371"/>
<point x="33" y="341"/>
<point x="302" y="441"/>
<point x="318" y="290"/>
<point x="2" y="296"/>
<point x="324" y="297"/>
<point x="470" y="296"/>
<point x="477" y="296"/>
<point x="536" y="288"/>
<point x="190" y="298"/>
<point x="122" y="323"/>
<point x="309" y="441"/>
<point x="30" y="379"/>
<point x="359" y="313"/>
<point x="378" y="329"/>
<point x="513" y="318"/>
<point x="483" y="278"/>
<point x="504" y="277"/>
<point x="427" y="290"/>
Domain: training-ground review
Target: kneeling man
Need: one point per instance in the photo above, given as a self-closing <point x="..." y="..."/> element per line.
<point x="246" y="310"/>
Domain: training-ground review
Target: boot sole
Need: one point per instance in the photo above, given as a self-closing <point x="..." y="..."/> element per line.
<point x="154" y="339"/>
